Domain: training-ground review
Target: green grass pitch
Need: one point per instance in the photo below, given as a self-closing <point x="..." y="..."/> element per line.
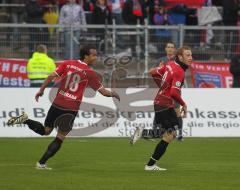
<point x="112" y="164"/>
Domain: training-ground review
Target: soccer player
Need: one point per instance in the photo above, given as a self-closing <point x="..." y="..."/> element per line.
<point x="170" y="50"/>
<point x="74" y="75"/>
<point x="170" y="79"/>
<point x="156" y="131"/>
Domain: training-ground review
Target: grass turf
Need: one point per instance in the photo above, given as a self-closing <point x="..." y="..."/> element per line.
<point x="111" y="163"/>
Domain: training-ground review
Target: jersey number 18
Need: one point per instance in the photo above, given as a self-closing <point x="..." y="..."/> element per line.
<point x="72" y="81"/>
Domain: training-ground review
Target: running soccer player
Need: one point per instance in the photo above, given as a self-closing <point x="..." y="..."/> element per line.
<point x="170" y="80"/>
<point x="75" y="76"/>
<point x="156" y="131"/>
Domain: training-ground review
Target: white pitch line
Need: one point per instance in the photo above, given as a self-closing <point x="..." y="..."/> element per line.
<point x="4" y="165"/>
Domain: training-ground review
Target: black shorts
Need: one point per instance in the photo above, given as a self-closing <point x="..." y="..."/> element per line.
<point x="166" y="118"/>
<point x="60" y="118"/>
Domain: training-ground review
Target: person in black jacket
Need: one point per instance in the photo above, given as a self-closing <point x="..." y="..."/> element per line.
<point x="101" y="15"/>
<point x="34" y="15"/>
<point x="230" y="18"/>
<point x="134" y="12"/>
<point x="235" y="70"/>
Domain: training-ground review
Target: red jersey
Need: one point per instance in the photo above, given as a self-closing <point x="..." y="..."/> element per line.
<point x="170" y="79"/>
<point x="75" y="76"/>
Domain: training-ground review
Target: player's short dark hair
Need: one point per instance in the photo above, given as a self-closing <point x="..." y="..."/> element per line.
<point x="170" y="42"/>
<point x="182" y="49"/>
<point x="85" y="50"/>
<point x="41" y="48"/>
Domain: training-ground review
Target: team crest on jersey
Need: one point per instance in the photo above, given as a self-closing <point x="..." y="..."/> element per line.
<point x="178" y="83"/>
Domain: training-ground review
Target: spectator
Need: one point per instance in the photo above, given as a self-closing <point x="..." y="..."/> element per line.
<point x="35" y="16"/>
<point x="179" y="16"/>
<point x="87" y="6"/>
<point x="39" y="66"/>
<point x="207" y="35"/>
<point x="116" y="7"/>
<point x="192" y="36"/>
<point x="170" y="50"/>
<point x="216" y="36"/>
<point x="162" y="17"/>
<point x="235" y="70"/>
<point x="134" y="12"/>
<point x="16" y="17"/>
<point x="72" y="17"/>
<point x="153" y="6"/>
<point x="101" y="15"/>
<point x="230" y="18"/>
<point x="50" y="15"/>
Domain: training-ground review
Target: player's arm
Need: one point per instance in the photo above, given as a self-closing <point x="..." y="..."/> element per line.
<point x="46" y="82"/>
<point x="157" y="71"/>
<point x="108" y="93"/>
<point x="95" y="84"/>
<point x="161" y="64"/>
<point x="157" y="74"/>
<point x="176" y="93"/>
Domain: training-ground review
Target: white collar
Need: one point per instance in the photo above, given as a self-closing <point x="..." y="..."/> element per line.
<point x="81" y="62"/>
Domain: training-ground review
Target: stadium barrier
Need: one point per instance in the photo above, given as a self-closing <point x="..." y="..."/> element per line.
<point x="208" y="41"/>
<point x="143" y="43"/>
<point x="203" y="74"/>
<point x="211" y="112"/>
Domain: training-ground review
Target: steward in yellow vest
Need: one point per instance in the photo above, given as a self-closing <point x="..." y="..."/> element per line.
<point x="40" y="66"/>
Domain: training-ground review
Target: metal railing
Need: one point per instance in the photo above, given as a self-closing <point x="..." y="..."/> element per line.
<point x="143" y="43"/>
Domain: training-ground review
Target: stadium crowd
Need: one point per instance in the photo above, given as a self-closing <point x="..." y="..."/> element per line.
<point x="129" y="11"/>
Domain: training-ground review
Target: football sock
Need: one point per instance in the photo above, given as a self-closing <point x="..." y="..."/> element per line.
<point x="51" y="150"/>
<point x="36" y="126"/>
<point x="180" y="125"/>
<point x="159" y="151"/>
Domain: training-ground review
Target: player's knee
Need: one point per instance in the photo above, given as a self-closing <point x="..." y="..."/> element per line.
<point x="169" y="136"/>
<point x="48" y="130"/>
<point x="61" y="135"/>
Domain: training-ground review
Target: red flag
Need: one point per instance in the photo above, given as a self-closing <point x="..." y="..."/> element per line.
<point x="211" y="75"/>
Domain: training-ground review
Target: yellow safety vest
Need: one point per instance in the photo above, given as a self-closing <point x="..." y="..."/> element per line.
<point x="40" y="66"/>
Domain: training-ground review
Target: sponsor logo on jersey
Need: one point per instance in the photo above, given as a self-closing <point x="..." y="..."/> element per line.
<point x="178" y="83"/>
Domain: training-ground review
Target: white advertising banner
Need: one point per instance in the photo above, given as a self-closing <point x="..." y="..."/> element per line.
<point x="211" y="112"/>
